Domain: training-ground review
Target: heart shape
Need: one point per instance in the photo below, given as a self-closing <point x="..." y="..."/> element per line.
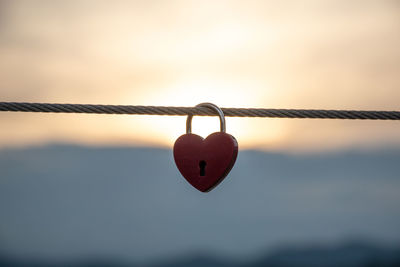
<point x="205" y="162"/>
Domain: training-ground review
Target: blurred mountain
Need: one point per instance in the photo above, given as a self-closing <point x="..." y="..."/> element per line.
<point x="63" y="203"/>
<point x="346" y="255"/>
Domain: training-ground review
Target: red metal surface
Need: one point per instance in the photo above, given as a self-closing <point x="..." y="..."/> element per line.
<point x="205" y="162"/>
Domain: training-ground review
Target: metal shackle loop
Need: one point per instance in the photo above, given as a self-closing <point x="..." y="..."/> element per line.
<point x="211" y="106"/>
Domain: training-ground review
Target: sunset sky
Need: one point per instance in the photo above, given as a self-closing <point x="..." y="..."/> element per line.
<point x="267" y="54"/>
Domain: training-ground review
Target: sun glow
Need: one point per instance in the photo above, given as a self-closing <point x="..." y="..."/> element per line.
<point x="192" y="92"/>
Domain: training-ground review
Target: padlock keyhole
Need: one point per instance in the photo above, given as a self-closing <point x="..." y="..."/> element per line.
<point x="202" y="165"/>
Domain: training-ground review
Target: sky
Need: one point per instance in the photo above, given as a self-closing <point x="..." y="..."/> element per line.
<point x="266" y="54"/>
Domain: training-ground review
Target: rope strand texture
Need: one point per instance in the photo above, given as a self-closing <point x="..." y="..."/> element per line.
<point x="182" y="111"/>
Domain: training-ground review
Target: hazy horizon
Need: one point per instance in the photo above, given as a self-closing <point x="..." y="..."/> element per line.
<point x="281" y="151"/>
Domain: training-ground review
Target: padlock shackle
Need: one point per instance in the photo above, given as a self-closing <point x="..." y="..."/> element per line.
<point x="213" y="107"/>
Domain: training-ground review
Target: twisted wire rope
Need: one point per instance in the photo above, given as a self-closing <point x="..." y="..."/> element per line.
<point x="200" y="111"/>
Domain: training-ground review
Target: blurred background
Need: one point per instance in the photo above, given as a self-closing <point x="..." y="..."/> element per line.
<point x="103" y="189"/>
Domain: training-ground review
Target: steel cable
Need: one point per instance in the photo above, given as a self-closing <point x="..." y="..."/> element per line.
<point x="200" y="111"/>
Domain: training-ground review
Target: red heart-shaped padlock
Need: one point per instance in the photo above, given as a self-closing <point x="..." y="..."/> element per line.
<point x="205" y="162"/>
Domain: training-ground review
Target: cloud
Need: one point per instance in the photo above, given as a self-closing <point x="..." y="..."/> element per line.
<point x="330" y="54"/>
